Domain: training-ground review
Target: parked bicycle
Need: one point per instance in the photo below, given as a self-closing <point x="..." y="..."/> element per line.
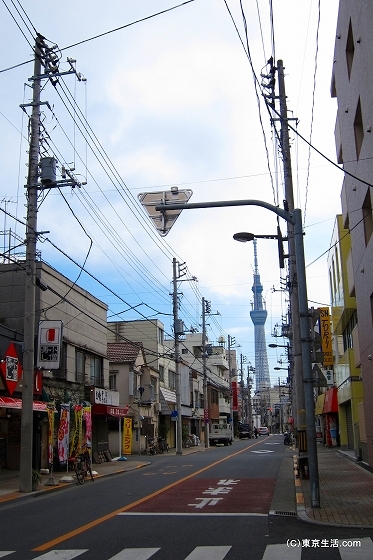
<point x="162" y="445"/>
<point x="152" y="446"/>
<point x="83" y="466"/>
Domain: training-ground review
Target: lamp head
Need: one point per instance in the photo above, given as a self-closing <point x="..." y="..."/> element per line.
<point x="243" y="236"/>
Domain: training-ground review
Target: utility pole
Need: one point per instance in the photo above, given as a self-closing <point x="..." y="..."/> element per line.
<point x="43" y="56"/>
<point x="204" y="371"/>
<point x="25" y="475"/>
<point x="178" y="330"/>
<point x="297" y="378"/>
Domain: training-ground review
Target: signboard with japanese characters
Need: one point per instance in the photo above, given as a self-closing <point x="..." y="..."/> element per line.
<point x="326" y="336"/>
<point x="106" y="396"/>
<point x="10" y="368"/>
<point x="49" y="344"/>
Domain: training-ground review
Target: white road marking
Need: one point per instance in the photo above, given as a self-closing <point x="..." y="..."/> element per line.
<point x="62" y="554"/>
<point x="263" y="451"/>
<point x="209" y="553"/>
<point x="135" y="554"/>
<point x="282" y="552"/>
<point x="360" y="549"/>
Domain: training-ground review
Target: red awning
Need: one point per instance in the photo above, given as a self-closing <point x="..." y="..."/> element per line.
<point x="331" y="401"/>
<point x="9" y="402"/>
<point x="109" y="410"/>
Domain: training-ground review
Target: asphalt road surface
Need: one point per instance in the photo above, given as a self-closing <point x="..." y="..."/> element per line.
<point x="204" y="506"/>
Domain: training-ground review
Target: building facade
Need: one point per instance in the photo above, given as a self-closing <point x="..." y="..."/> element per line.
<point x="83" y="365"/>
<point x="352" y="86"/>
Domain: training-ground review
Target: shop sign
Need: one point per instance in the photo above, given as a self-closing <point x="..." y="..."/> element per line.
<point x="49" y="344"/>
<point x="106" y="396"/>
<point x="11" y="369"/>
<point x="127" y="436"/>
<point x="326" y="336"/>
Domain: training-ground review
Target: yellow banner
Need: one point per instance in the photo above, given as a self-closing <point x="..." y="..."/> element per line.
<point x="127" y="436"/>
<point x="326" y="336"/>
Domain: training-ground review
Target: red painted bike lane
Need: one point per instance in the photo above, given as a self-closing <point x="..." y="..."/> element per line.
<point x="212" y="495"/>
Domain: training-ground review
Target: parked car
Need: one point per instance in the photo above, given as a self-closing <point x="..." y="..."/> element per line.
<point x="263" y="431"/>
<point x="244" y="431"/>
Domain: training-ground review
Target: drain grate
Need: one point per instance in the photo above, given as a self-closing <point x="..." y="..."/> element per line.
<point x="287" y="513"/>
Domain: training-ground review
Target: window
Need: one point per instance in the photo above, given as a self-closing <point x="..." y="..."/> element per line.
<point x="350" y="50"/>
<point x="161" y="373"/>
<point x="214" y="397"/>
<point x="358" y="129"/>
<point x="184" y="350"/>
<point x="113" y="381"/>
<point x="96" y="371"/>
<point x="367" y="217"/>
<point x="172" y="379"/>
<point x="153" y="388"/>
<point x="160" y="336"/>
<point x="79" y="366"/>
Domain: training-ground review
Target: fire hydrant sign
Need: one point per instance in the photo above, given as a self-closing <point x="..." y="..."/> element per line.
<point x="49" y="344"/>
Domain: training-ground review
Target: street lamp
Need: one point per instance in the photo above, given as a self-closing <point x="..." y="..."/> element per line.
<point x="306" y="350"/>
<point x="295" y="219"/>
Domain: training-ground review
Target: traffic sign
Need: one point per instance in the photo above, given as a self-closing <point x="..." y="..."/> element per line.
<point x="164" y="221"/>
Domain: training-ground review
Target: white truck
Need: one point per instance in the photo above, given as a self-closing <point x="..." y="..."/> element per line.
<point x="221" y="433"/>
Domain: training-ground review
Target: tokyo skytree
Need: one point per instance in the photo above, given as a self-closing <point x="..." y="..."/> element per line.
<point x="258" y="316"/>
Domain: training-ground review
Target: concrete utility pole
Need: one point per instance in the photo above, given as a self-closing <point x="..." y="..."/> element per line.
<point x="46" y="57"/>
<point x="298" y="394"/>
<point x="204" y="370"/>
<point x="25" y="475"/>
<point x="177" y="332"/>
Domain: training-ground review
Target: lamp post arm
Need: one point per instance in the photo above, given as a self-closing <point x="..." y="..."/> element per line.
<point x="287" y="216"/>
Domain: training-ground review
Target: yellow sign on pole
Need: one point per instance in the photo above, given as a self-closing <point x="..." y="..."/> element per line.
<point x="326" y="336"/>
<point x="127" y="436"/>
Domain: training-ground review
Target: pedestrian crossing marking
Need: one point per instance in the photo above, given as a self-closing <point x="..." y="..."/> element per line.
<point x="62" y="554"/>
<point x="135" y="554"/>
<point x="282" y="552"/>
<point x="349" y="549"/>
<point x="362" y="552"/>
<point x="209" y="553"/>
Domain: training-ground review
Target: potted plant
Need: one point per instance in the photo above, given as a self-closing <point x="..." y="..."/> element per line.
<point x="36" y="479"/>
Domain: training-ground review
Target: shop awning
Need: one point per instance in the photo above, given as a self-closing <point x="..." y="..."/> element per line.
<point x="331" y="401"/>
<point x="103" y="409"/>
<point x="320" y="404"/>
<point x="9" y="402"/>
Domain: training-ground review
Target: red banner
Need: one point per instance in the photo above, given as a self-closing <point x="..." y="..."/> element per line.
<point x="235" y="395"/>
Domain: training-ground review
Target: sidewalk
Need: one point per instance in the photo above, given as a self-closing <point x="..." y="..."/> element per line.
<point x="346" y="491"/>
<point x="9" y="480"/>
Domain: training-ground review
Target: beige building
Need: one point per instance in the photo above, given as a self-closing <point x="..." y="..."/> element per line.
<point x="83" y="369"/>
<point x="352" y="86"/>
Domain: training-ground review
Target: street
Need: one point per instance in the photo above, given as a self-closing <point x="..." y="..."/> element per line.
<point x="213" y="505"/>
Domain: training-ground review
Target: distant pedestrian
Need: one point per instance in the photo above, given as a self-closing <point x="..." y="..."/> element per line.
<point x="255" y="432"/>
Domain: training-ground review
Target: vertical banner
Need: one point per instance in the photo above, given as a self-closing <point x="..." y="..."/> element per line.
<point x="50" y="410"/>
<point x="63" y="434"/>
<point x="127" y="436"/>
<point x="235" y="395"/>
<point x="87" y="417"/>
<point x="326" y="336"/>
<point x="75" y="440"/>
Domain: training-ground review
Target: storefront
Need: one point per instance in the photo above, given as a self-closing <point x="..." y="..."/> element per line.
<point x="10" y="431"/>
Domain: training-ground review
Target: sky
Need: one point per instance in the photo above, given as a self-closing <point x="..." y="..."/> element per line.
<point x="168" y="98"/>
